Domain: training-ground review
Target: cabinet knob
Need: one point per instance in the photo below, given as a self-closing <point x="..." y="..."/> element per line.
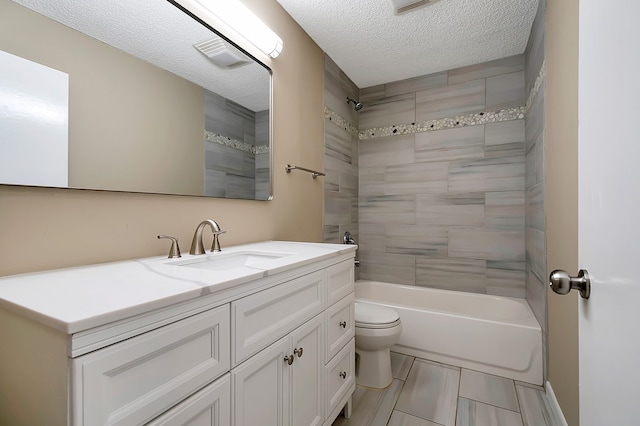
<point x="343" y="324"/>
<point x="298" y="352"/>
<point x="289" y="359"/>
<point x="343" y="374"/>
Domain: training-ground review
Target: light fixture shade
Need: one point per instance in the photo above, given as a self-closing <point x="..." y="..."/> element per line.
<point x="244" y="22"/>
<point x="400" y="6"/>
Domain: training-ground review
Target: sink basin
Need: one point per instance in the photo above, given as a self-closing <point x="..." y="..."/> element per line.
<point x="223" y="261"/>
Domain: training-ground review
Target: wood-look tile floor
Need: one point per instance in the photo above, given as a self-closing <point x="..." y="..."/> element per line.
<point x="425" y="393"/>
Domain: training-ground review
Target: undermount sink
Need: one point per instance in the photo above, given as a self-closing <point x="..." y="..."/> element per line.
<point x="223" y="261"/>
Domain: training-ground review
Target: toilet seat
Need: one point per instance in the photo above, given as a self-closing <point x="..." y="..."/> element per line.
<point x="375" y="316"/>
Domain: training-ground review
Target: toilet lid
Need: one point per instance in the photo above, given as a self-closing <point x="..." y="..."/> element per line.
<point x="367" y="313"/>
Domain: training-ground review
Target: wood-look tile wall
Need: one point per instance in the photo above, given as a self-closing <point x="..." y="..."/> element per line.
<point x="536" y="226"/>
<point x="446" y="208"/>
<point x="340" y="158"/>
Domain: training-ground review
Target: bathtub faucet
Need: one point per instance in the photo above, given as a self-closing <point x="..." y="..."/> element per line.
<point x="348" y="239"/>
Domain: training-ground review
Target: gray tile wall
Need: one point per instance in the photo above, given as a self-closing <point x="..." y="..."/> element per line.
<point x="340" y="158"/>
<point x="230" y="172"/>
<point x="535" y="239"/>
<point x="446" y="208"/>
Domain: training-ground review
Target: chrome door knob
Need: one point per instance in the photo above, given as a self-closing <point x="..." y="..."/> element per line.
<point x="562" y="283"/>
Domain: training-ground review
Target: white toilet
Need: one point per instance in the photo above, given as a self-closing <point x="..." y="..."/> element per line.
<point x="377" y="329"/>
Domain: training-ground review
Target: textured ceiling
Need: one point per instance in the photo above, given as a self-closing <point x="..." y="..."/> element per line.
<point x="159" y="33"/>
<point x="373" y="45"/>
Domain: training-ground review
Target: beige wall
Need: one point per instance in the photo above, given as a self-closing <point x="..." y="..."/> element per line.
<point x="45" y="228"/>
<point x="126" y="115"/>
<point x="562" y="197"/>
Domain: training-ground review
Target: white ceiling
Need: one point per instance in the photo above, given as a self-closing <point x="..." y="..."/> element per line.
<point x="159" y="33"/>
<point x="373" y="45"/>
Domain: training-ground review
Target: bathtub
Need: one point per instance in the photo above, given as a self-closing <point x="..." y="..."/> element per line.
<point x="491" y="334"/>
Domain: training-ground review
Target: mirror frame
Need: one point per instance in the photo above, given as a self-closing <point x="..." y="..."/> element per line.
<point x="257" y="61"/>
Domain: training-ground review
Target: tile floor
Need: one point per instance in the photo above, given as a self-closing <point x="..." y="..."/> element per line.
<point x="425" y="393"/>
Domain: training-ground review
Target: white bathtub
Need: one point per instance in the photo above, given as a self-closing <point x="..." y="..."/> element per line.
<point x="492" y="334"/>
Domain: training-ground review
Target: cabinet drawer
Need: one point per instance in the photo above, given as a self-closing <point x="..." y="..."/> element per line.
<point x="136" y="380"/>
<point x="209" y="406"/>
<point x="262" y="318"/>
<point x="339" y="323"/>
<point x="340" y="378"/>
<point x="339" y="281"/>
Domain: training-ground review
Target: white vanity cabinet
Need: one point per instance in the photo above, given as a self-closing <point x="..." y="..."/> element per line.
<point x="272" y="349"/>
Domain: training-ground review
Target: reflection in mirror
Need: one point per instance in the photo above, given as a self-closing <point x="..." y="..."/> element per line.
<point x="157" y="102"/>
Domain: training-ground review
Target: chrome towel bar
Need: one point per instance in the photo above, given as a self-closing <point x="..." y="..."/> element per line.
<point x="314" y="174"/>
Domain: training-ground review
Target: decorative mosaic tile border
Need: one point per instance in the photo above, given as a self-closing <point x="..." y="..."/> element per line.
<point x="234" y="143"/>
<point x="536" y="86"/>
<point x="261" y="149"/>
<point x="507" y="114"/>
<point x="336" y="119"/>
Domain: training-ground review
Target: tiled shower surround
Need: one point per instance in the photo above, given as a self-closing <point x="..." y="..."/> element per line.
<point x="446" y="208"/>
<point x="441" y="177"/>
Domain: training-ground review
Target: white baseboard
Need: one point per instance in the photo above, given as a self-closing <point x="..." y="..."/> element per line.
<point x="554" y="406"/>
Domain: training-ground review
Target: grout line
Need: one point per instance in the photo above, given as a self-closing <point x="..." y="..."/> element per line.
<point x="458" y="395"/>
<point x="519" y="406"/>
<point x="401" y="388"/>
<point x="418" y="417"/>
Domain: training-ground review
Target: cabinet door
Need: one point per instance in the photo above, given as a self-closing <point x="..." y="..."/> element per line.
<point x="261" y="388"/>
<point x="135" y="381"/>
<point x="307" y="373"/>
<point x="210" y="406"/>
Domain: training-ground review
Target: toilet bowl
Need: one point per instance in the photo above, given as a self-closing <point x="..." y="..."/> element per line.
<point x="377" y="329"/>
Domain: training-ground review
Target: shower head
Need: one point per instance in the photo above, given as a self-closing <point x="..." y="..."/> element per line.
<point x="357" y="105"/>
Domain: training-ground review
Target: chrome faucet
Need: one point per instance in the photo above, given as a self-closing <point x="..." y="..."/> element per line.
<point x="197" y="247"/>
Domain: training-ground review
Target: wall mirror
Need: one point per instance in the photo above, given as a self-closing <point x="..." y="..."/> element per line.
<point x="157" y="101"/>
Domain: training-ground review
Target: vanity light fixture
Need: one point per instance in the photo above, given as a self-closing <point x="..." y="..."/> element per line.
<point x="244" y="22"/>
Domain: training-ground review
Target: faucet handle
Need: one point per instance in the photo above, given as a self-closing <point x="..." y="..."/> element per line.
<point x="216" y="241"/>
<point x="174" y="251"/>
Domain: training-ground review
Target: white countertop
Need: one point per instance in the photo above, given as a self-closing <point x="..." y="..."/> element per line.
<point x="76" y="299"/>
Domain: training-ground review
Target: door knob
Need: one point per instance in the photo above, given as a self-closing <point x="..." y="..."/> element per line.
<point x="562" y="283"/>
